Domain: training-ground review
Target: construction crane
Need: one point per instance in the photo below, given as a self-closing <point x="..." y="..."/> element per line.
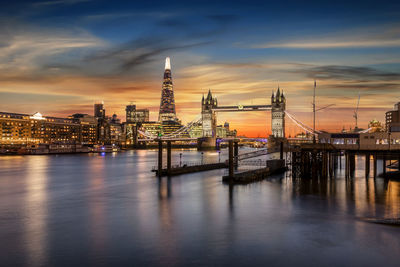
<point x="355" y="115"/>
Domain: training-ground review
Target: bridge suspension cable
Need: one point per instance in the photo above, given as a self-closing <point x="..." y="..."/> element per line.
<point x="301" y="125"/>
<point x="365" y="131"/>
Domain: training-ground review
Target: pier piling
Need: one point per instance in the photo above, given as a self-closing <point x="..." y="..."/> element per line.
<point x="367" y="164"/>
<point x="169" y="157"/>
<point x="160" y="158"/>
<point x="230" y="161"/>
<point x="384" y="165"/>
<point x="236" y="154"/>
<point x="352" y="159"/>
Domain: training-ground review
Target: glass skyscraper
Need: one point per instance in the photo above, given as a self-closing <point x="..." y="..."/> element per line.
<point x="167" y="104"/>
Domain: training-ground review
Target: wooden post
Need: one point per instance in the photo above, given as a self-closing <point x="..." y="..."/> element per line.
<point x="230" y="161"/>
<point x="398" y="163"/>
<point x="314" y="162"/>
<point x="302" y="164"/>
<point x="384" y="165"/>
<point x="160" y="158"/>
<point x="324" y="164"/>
<point x="281" y="151"/>
<point x="236" y="154"/>
<point x="367" y="167"/>
<point x="331" y="164"/>
<point x="352" y="158"/>
<point x="168" y="157"/>
<point x="375" y="165"/>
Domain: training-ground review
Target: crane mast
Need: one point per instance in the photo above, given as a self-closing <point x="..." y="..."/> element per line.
<point x="355" y="115"/>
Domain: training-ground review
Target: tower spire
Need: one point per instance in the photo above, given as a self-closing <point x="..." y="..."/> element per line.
<point x="167" y="63"/>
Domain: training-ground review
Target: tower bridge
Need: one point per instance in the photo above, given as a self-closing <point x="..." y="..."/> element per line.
<point x="210" y="108"/>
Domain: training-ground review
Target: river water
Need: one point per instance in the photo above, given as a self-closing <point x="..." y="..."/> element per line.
<point x="93" y="209"/>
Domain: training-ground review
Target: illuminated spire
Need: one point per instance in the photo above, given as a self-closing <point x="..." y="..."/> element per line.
<point x="167" y="104"/>
<point x="167" y="63"/>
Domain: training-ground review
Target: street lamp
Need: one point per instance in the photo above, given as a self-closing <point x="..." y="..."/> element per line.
<point x="219" y="156"/>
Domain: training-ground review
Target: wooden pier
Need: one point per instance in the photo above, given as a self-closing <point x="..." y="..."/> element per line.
<point x="270" y="166"/>
<point x="249" y="176"/>
<point x="171" y="170"/>
<point x="321" y="160"/>
<point x="244" y="177"/>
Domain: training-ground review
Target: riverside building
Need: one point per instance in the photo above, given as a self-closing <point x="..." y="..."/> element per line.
<point x="24" y="129"/>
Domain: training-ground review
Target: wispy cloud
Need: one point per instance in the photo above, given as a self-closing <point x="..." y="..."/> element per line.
<point x="135" y="54"/>
<point x="382" y="36"/>
<point x="316" y="44"/>
<point x="26" y="48"/>
<point x="60" y="2"/>
<point x="332" y="72"/>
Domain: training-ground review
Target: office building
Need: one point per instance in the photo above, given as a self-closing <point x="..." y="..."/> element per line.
<point x="393" y="119"/>
<point x="136" y="115"/>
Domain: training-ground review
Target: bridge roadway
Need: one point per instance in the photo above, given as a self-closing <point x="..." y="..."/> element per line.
<point x="241" y="108"/>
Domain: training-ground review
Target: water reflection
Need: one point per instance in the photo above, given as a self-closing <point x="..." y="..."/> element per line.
<point x="359" y="196"/>
<point x="112" y="210"/>
<point x="168" y="232"/>
<point x="36" y="209"/>
<point x="96" y="192"/>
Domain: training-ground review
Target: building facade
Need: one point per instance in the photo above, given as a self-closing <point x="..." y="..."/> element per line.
<point x="393" y="119"/>
<point x="24" y="129"/>
<point x="174" y="129"/>
<point x="99" y="111"/>
<point x="153" y="128"/>
<point x="278" y="106"/>
<point x="14" y="128"/>
<point x="88" y="124"/>
<point x="196" y="131"/>
<point x="136" y="115"/>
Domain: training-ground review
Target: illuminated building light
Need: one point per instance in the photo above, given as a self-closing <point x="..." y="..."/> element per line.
<point x="37" y="116"/>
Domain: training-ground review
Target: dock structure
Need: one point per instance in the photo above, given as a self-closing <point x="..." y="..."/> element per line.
<point x="177" y="170"/>
<point x="234" y="176"/>
<point x="322" y="159"/>
<point x="257" y="174"/>
<point x="248" y="176"/>
<point x="172" y="170"/>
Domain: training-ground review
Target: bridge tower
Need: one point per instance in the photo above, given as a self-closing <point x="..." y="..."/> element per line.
<point x="208" y="115"/>
<point x="278" y="107"/>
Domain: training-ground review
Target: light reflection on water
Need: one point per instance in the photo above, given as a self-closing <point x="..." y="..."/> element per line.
<point x="110" y="210"/>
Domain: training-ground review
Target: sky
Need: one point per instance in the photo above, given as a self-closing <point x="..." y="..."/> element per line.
<point x="59" y="57"/>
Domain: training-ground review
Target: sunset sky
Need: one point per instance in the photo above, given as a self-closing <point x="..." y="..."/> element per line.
<point x="59" y="57"/>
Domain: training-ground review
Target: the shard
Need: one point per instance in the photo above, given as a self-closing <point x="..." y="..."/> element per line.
<point x="167" y="104"/>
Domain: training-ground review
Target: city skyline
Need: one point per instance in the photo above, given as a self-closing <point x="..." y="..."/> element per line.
<point x="62" y="56"/>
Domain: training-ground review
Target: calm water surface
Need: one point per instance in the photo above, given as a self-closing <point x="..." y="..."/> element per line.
<point x="80" y="210"/>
